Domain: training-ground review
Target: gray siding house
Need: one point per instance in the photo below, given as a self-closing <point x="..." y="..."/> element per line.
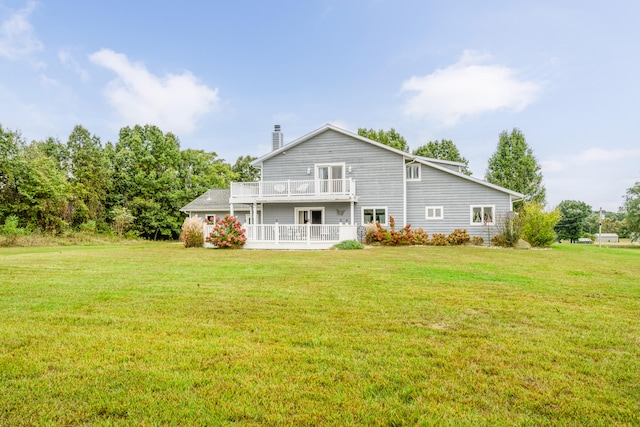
<point x="316" y="190"/>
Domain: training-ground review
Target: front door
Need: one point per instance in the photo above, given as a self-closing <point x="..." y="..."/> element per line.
<point x="309" y="215"/>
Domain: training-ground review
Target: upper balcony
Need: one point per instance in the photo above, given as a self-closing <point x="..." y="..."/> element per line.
<point x="326" y="190"/>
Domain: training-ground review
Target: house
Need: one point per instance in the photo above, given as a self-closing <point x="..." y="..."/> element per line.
<point x="315" y="191"/>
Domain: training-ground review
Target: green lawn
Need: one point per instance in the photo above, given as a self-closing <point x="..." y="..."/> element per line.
<point x="157" y="334"/>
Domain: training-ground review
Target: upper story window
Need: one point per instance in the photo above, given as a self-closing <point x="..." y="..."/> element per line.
<point x="482" y="215"/>
<point x="330" y="178"/>
<point x="413" y="172"/>
<point x="374" y="215"/>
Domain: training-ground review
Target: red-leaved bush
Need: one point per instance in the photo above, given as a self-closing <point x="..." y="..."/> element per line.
<point x="227" y="233"/>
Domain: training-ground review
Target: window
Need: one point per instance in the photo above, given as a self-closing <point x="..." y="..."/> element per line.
<point x="482" y="215"/>
<point x="330" y="178"/>
<point x="413" y="172"/>
<point x="434" y="212"/>
<point x="374" y="215"/>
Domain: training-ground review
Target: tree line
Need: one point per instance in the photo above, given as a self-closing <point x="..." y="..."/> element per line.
<point x="135" y="186"/>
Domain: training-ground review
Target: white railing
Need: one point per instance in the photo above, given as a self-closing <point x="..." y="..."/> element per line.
<point x="294" y="188"/>
<point x="294" y="233"/>
<point x="277" y="233"/>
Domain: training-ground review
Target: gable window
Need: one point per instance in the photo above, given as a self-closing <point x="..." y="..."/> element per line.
<point x="413" y="172"/>
<point x="434" y="212"/>
<point x="374" y="215"/>
<point x="482" y="215"/>
<point x="330" y="178"/>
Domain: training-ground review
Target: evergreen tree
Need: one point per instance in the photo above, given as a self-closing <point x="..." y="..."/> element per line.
<point x="514" y="166"/>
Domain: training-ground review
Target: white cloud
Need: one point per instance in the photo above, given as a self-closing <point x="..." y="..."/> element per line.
<point x="17" y="37"/>
<point x="589" y="158"/>
<point x="67" y="59"/>
<point x="173" y="102"/>
<point x="467" y="88"/>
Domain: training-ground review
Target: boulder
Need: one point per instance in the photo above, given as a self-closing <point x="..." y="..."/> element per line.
<point x="522" y="245"/>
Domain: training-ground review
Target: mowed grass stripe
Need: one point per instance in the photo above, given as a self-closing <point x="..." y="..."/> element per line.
<point x="158" y="334"/>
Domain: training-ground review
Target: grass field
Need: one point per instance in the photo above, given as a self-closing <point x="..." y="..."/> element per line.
<point x="156" y="334"/>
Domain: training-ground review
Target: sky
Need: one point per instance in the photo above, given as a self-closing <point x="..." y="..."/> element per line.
<point x="221" y="74"/>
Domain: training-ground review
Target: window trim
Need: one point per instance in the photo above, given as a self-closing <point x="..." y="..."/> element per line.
<point x="408" y="167"/>
<point x="426" y="212"/>
<point x="482" y="207"/>
<point x="386" y="213"/>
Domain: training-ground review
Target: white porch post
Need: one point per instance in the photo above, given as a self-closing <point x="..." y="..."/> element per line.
<point x="352" y="213"/>
<point x="255" y="213"/>
<point x="231" y="209"/>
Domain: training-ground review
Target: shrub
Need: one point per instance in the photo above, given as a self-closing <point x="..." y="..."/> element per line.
<point x="192" y="234"/>
<point x="402" y="237"/>
<point x="348" y="245"/>
<point x="376" y="234"/>
<point x="458" y="237"/>
<point x="11" y="231"/>
<point x="227" y="233"/>
<point x="420" y="237"/>
<point x="10" y="227"/>
<point x="122" y="219"/>
<point x="477" y="240"/>
<point x="538" y="226"/>
<point x="438" y="239"/>
<point x="510" y="231"/>
<point x="89" y="227"/>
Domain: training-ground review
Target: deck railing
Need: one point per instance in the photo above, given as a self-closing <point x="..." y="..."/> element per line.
<point x="294" y="188"/>
<point x="295" y="233"/>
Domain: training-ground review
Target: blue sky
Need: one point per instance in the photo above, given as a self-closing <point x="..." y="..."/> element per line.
<point x="220" y="74"/>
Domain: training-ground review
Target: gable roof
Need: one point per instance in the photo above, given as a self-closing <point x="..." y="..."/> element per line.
<point x="213" y="200"/>
<point x="434" y="163"/>
<point x="517" y="196"/>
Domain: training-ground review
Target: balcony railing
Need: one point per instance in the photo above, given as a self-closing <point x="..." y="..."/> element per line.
<point x="294" y="189"/>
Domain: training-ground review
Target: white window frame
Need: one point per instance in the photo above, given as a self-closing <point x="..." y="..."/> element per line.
<point x="413" y="166"/>
<point x="329" y="188"/>
<point x="434" y="209"/>
<point x="482" y="214"/>
<point x="309" y="209"/>
<point x="375" y="208"/>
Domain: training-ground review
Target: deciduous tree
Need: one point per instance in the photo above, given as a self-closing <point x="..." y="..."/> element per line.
<point x="89" y="174"/>
<point x="244" y="171"/>
<point x="200" y="171"/>
<point x="390" y="138"/>
<point x="146" y="162"/>
<point x="573" y="216"/>
<point x="443" y="150"/>
<point x="632" y="209"/>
